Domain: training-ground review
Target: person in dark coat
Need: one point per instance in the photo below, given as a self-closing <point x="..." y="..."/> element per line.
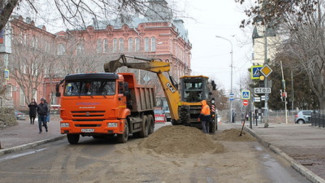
<point x="42" y="112"/>
<point x="32" y="111"/>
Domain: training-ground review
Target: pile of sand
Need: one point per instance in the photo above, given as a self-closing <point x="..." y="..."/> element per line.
<point x="233" y="135"/>
<point x="181" y="140"/>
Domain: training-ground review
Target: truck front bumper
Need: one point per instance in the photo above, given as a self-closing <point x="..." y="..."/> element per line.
<point x="92" y="127"/>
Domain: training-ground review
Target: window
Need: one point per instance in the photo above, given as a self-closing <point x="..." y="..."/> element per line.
<point x="53" y="98"/>
<point x="153" y="44"/>
<point x="9" y="91"/>
<point x="99" y="46"/>
<point x="61" y="49"/>
<point x="21" y="97"/>
<point x="34" y="93"/>
<point x="115" y="45"/>
<point x="105" y="45"/>
<point x="34" y="69"/>
<point x="121" y="45"/>
<point x="130" y="46"/>
<point x="137" y="44"/>
<point x="80" y="49"/>
<point x="146" y="44"/>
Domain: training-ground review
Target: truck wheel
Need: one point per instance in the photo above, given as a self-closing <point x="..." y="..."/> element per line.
<point x="151" y="124"/>
<point x="145" y="127"/>
<point x="122" y="138"/>
<point x="73" y="138"/>
<point x="213" y="127"/>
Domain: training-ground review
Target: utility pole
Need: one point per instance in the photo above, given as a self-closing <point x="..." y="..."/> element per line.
<point x="292" y="93"/>
<point x="285" y="94"/>
<point x="231" y="68"/>
<point x="265" y="81"/>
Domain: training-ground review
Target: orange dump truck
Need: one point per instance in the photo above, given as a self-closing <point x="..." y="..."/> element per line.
<point x="105" y="104"/>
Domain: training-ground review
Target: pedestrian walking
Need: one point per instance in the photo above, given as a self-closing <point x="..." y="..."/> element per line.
<point x="42" y="110"/>
<point x="205" y="116"/>
<point x="32" y="111"/>
<point x="48" y="112"/>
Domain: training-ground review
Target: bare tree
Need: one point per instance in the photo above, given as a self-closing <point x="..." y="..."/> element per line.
<point x="27" y="67"/>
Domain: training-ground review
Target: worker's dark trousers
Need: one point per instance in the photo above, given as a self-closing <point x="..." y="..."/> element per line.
<point x="205" y="126"/>
<point x="42" y="122"/>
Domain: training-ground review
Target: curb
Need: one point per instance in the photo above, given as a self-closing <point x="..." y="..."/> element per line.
<point x="293" y="163"/>
<point x="29" y="145"/>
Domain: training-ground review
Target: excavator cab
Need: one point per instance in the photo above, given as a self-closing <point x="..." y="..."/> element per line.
<point x="194" y="88"/>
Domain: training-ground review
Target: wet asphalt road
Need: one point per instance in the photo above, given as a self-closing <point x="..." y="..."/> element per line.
<point x="58" y="162"/>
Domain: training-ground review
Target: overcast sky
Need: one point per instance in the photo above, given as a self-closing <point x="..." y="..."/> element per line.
<point x="211" y="55"/>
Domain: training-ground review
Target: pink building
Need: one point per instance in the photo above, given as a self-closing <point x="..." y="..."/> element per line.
<point x="157" y="36"/>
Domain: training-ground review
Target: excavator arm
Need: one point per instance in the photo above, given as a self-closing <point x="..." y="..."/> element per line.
<point x="155" y="66"/>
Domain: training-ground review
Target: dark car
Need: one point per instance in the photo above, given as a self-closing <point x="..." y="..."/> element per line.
<point x="19" y="115"/>
<point x="303" y="116"/>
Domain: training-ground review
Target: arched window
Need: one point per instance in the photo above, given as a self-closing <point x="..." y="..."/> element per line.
<point x="61" y="49"/>
<point x="146" y="44"/>
<point x="137" y="44"/>
<point x="99" y="46"/>
<point x="105" y="43"/>
<point x="130" y="45"/>
<point x="153" y="44"/>
<point x="121" y="45"/>
<point x="115" y="45"/>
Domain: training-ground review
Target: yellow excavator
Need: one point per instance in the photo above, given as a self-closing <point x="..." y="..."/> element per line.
<point x="184" y="104"/>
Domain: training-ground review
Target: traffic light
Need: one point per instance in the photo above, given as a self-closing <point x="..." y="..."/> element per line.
<point x="281" y="95"/>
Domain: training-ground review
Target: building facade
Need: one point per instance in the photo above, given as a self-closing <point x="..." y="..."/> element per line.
<point x="40" y="59"/>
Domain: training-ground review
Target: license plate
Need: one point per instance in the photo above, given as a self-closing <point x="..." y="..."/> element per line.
<point x="87" y="130"/>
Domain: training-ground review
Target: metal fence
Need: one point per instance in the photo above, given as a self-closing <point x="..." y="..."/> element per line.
<point x="317" y="119"/>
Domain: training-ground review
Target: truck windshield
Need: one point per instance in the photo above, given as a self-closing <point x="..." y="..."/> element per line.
<point x="89" y="88"/>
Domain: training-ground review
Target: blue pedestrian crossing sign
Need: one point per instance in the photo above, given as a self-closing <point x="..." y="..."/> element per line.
<point x="255" y="71"/>
<point x="245" y="94"/>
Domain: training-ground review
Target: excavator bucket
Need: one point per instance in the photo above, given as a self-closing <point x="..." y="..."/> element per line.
<point x="112" y="66"/>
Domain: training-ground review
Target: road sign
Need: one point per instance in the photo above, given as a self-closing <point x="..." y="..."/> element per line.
<point x="262" y="90"/>
<point x="257" y="99"/>
<point x="231" y="96"/>
<point x="6" y="74"/>
<point x="266" y="70"/>
<point x="245" y="94"/>
<point x="263" y="97"/>
<point x="255" y="71"/>
<point x="245" y="102"/>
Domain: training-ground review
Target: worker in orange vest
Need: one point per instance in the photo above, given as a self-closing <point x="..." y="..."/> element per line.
<point x="205" y="116"/>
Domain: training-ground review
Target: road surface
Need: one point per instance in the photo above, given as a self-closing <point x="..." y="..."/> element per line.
<point x="97" y="161"/>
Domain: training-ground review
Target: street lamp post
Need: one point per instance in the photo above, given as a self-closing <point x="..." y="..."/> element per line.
<point x="231" y="68"/>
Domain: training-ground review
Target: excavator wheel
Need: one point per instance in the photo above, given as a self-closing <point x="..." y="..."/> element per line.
<point x="213" y="127"/>
<point x="151" y="124"/>
<point x="184" y="117"/>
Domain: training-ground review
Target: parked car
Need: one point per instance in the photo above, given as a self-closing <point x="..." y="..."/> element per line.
<point x="19" y="115"/>
<point x="160" y="116"/>
<point x="303" y="116"/>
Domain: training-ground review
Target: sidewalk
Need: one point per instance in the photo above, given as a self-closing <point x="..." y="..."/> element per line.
<point x="25" y="133"/>
<point x="304" y="143"/>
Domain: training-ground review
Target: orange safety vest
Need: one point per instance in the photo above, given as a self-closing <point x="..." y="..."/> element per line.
<point x="205" y="108"/>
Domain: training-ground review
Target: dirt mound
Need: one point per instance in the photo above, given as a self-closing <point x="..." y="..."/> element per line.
<point x="233" y="135"/>
<point x="181" y="140"/>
